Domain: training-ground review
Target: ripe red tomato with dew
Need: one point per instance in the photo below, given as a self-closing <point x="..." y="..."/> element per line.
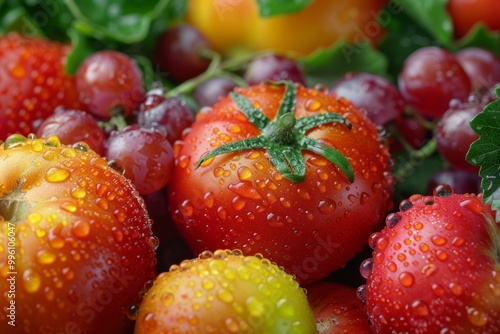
<point x="75" y="239"/>
<point x="282" y="170"/>
<point x="435" y="267"/>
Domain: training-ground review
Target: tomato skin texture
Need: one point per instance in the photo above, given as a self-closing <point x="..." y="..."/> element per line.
<point x="237" y="25"/>
<point x="33" y="82"/>
<point x="467" y="13"/>
<point x="225" y="292"/>
<point x="83" y="251"/>
<point x="239" y="200"/>
<point x="437" y="267"/>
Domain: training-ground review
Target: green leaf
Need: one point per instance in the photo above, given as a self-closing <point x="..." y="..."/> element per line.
<point x="125" y="21"/>
<point x="329" y="64"/>
<point x="481" y="37"/>
<point x="431" y="15"/>
<point x="485" y="152"/>
<point x="269" y="8"/>
<point x="402" y="37"/>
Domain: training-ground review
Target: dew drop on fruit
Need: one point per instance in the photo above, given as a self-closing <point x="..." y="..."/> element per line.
<point x="132" y="312"/>
<point x="429" y="269"/>
<point x="456" y="288"/>
<point x="405" y="205"/>
<point x="361" y="292"/>
<point x="78" y="193"/>
<point x="477" y="316"/>
<point x="45" y="257"/>
<point x="167" y="299"/>
<point x="57" y="174"/>
<point x="312" y="105"/>
<point x="31" y="281"/>
<point x="154" y="242"/>
<point x="419" y="308"/>
<point x="438" y="240"/>
<point x="366" y="267"/>
<point x="406" y="279"/>
<point x="473" y="204"/>
<point x="225" y="296"/>
<point x="392" y="219"/>
<point x="244" y="173"/>
<point x="327" y="206"/>
<point x="443" y="190"/>
<point x="372" y="240"/>
<point x="437" y="290"/>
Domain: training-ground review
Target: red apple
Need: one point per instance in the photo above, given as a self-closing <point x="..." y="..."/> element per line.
<point x="435" y="267"/>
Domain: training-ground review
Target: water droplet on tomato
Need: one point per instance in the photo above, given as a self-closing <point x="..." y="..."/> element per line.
<point x="57" y="174"/>
<point x="154" y="242"/>
<point x="245" y="189"/>
<point x="429" y="269"/>
<point x="406" y="279"/>
<point x="312" y="105"/>
<point x="31" y="281"/>
<point x="361" y="292"/>
<point x="225" y="296"/>
<point x="392" y="266"/>
<point x="420" y="308"/>
<point x="392" y="219"/>
<point x="244" y="173"/>
<point x="68" y="273"/>
<point x="366" y="267"/>
<point x="327" y="206"/>
<point x="443" y="190"/>
<point x="438" y="240"/>
<point x="477" y="316"/>
<point x="372" y="240"/>
<point x="456" y="288"/>
<point x="45" y="257"/>
<point x="133" y="312"/>
<point x="473" y="204"/>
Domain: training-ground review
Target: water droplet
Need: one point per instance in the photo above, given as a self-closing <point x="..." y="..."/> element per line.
<point x="429" y="269"/>
<point x="285" y="309"/>
<point x="438" y="240"/>
<point x="392" y="266"/>
<point x="361" y="292"/>
<point x="255" y="307"/>
<point x="473" y="204"/>
<point x="437" y="290"/>
<point x="154" y="242"/>
<point x="420" y="308"/>
<point x="477" y="316"/>
<point x="57" y="174"/>
<point x="456" y="288"/>
<point x="392" y="219"/>
<point x="312" y="105"/>
<point x="207" y="284"/>
<point x="458" y="241"/>
<point x="167" y="299"/>
<point x="133" y="312"/>
<point x="31" y="281"/>
<point x="327" y="206"/>
<point x="225" y="296"/>
<point x="443" y="190"/>
<point x="81" y="228"/>
<point x="45" y="257"/>
<point x="372" y="240"/>
<point x="366" y="267"/>
<point x="244" y="173"/>
<point x="245" y="189"/>
<point x="68" y="273"/>
<point x="406" y="279"/>
<point x="352" y="198"/>
<point x="231" y="325"/>
<point x="441" y="255"/>
<point x="405" y="205"/>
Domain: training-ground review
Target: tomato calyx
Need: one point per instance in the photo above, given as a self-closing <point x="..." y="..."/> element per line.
<point x="284" y="137"/>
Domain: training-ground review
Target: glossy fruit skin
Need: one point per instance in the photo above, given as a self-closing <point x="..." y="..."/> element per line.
<point x="230" y="26"/>
<point x="239" y="200"/>
<point x="83" y="239"/>
<point x="337" y="308"/>
<point x="225" y="292"/>
<point x="437" y="268"/>
<point x="430" y="79"/>
<point x="33" y="82"/>
<point x="109" y="81"/>
<point x="465" y="14"/>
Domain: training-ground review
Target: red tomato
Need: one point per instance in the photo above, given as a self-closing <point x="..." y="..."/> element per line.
<point x="75" y="240"/>
<point x="467" y="13"/>
<point x="298" y="209"/>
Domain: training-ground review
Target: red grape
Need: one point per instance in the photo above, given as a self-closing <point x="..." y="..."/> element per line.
<point x="454" y="135"/>
<point x="379" y="97"/>
<point x="72" y="126"/>
<point x="109" y="81"/>
<point x="411" y="131"/>
<point x="273" y="67"/>
<point x="431" y="77"/>
<point x="482" y="66"/>
<point x="461" y="181"/>
<point x="144" y="154"/>
<point x="171" y="113"/>
<point x="179" y="52"/>
<point x="211" y="90"/>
